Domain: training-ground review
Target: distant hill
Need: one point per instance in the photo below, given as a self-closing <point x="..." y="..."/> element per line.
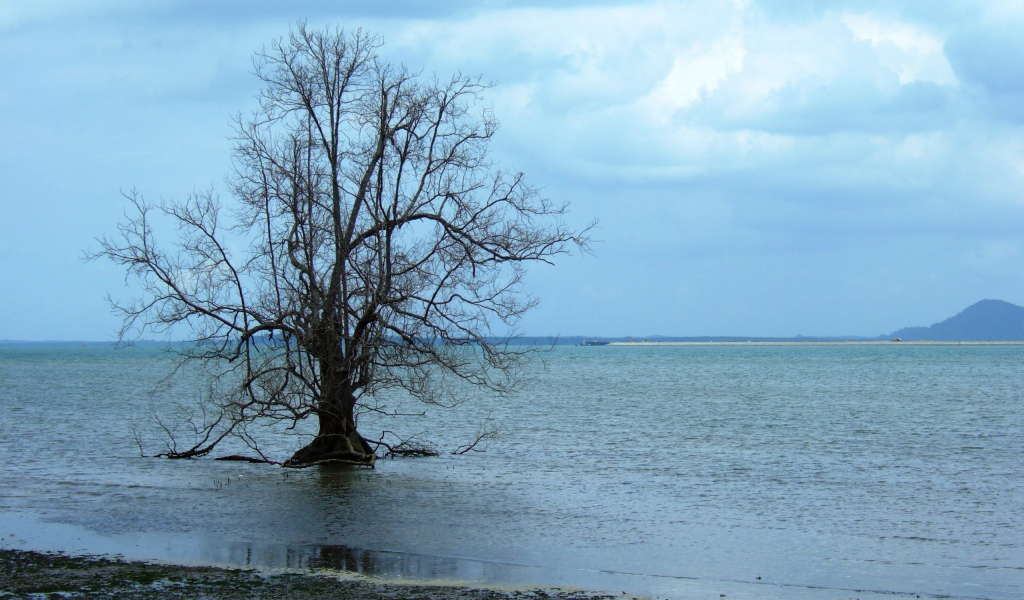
<point x="988" y="320"/>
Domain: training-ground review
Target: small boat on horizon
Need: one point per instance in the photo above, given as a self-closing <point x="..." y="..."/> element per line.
<point x="593" y="343"/>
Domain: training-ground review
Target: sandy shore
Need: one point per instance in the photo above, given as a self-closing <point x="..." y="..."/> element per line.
<point x="32" y="574"/>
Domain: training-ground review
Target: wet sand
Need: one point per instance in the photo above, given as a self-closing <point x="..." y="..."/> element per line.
<point x="32" y="574"/>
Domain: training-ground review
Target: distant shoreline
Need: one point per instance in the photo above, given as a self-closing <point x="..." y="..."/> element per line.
<point x="820" y="343"/>
<point x="571" y="341"/>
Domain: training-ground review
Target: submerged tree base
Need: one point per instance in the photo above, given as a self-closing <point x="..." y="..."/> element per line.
<point x="341" y="448"/>
<point x="335" y="459"/>
<point x="361" y="462"/>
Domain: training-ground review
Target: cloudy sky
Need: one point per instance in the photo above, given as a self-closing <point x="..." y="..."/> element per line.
<point x="758" y="168"/>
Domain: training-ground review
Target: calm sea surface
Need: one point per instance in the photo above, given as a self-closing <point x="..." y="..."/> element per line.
<point x="755" y="472"/>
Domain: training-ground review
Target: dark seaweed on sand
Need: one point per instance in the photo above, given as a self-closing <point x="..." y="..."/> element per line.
<point x="35" y="575"/>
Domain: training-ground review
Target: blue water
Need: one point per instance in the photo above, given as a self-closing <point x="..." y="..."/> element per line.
<point x="754" y="471"/>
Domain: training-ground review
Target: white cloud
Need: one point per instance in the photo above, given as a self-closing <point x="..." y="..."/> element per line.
<point x="668" y="84"/>
<point x="591" y="56"/>
<point x="695" y="72"/>
<point x="911" y="52"/>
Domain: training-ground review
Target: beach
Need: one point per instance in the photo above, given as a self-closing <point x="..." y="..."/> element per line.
<point x="30" y="574"/>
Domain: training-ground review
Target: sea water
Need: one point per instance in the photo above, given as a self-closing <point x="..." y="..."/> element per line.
<point x="693" y="471"/>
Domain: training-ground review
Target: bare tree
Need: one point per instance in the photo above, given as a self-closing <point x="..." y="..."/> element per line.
<point x="384" y="250"/>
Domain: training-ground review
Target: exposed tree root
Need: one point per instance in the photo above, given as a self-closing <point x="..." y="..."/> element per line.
<point x="414" y="452"/>
<point x="343" y="449"/>
<point x="187" y="454"/>
<point x="332" y="461"/>
<point x="408" y="448"/>
<point x="484" y="434"/>
<point x="250" y="459"/>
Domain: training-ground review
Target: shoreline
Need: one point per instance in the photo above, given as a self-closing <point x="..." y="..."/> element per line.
<point x="121" y="569"/>
<point x="814" y="343"/>
<point x="25" y="573"/>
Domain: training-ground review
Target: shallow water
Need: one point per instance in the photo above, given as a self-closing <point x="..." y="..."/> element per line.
<point x="825" y="471"/>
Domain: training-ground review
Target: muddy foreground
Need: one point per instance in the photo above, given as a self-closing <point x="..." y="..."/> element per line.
<point x="33" y="574"/>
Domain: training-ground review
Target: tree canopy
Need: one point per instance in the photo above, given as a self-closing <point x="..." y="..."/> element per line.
<point x="383" y="249"/>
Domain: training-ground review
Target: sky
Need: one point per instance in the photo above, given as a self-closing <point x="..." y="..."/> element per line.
<point x="757" y="168"/>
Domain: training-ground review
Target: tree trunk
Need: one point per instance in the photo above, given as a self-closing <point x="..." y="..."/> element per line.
<point x="337" y="441"/>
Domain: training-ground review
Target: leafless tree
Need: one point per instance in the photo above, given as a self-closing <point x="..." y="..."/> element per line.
<point x="383" y="249"/>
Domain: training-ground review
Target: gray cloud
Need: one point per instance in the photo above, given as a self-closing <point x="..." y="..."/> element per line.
<point x="991" y="56"/>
